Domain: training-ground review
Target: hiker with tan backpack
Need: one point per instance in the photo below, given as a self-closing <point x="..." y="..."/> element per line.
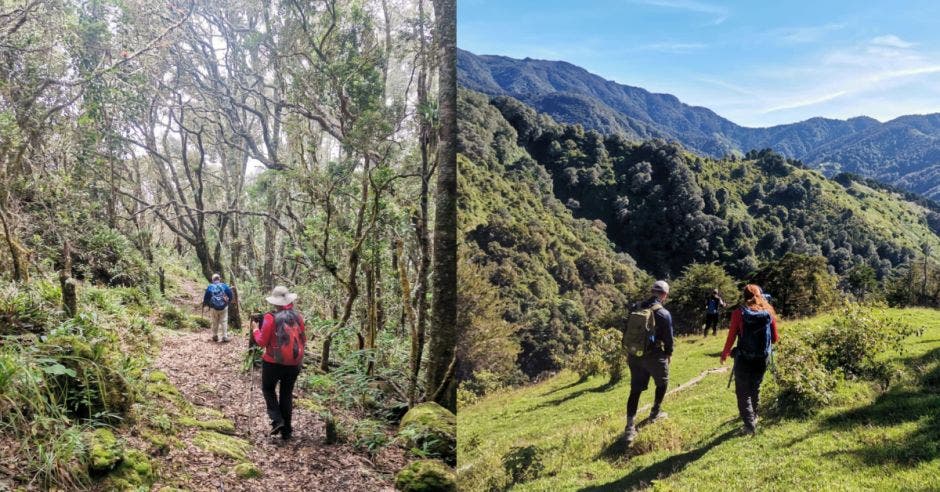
<point x="648" y="342"/>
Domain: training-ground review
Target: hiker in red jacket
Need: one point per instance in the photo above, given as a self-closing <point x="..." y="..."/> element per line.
<point x="283" y="337"/>
<point x="754" y="325"/>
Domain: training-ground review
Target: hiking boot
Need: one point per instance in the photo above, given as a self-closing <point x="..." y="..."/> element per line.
<point x="286" y="433"/>
<point x="215" y="338"/>
<point x="225" y="339"/>
<point x="277" y="428"/>
<point x="748" y="431"/>
<point x="629" y="434"/>
<point x="657" y="415"/>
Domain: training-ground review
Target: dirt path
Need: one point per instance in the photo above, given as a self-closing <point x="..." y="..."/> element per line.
<point x="208" y="374"/>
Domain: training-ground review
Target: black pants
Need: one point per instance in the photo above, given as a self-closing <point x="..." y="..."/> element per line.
<point x="748" y="375"/>
<point x="279" y="409"/>
<point x="711" y="321"/>
<point x="653" y="366"/>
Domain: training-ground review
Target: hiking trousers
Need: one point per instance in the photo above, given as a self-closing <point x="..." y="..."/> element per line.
<point x="218" y="320"/>
<point x="748" y="375"/>
<point x="711" y="321"/>
<point x="280" y="407"/>
<point x="655" y="366"/>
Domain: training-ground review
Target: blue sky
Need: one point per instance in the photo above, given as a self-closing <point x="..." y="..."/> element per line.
<point x="756" y="63"/>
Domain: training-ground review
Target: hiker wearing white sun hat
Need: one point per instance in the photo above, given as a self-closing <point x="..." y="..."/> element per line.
<point x="283" y="337"/>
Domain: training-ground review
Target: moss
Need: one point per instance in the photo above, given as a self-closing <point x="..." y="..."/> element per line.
<point x="431" y="428"/>
<point x="222" y="445"/>
<point x="246" y="470"/>
<point x="426" y="476"/>
<point x="209" y="413"/>
<point x="308" y="404"/>
<point x="134" y="473"/>
<point x="158" y="377"/>
<point x="223" y="426"/>
<point x="105" y="449"/>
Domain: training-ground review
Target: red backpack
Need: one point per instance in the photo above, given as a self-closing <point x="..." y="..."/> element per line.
<point x="286" y="345"/>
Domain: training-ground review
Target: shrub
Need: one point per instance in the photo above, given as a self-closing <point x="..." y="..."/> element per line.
<point x="856" y="340"/>
<point x="801" y="285"/>
<point x="27" y="308"/>
<point x="104" y="255"/>
<point x="691" y="290"/>
<point x="809" y="367"/>
<point x="523" y="463"/>
<point x="426" y="476"/>
<point x="801" y="385"/>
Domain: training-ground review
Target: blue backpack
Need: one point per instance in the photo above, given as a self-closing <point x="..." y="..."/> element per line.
<point x="217" y="298"/>
<point x="712" y="306"/>
<point x="754" y="341"/>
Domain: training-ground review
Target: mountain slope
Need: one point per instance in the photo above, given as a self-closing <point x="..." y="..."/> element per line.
<point x="903" y="151"/>
<point x="557" y="275"/>
<point x="736" y="212"/>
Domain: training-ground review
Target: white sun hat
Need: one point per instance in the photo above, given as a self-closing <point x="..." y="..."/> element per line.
<point x="280" y="296"/>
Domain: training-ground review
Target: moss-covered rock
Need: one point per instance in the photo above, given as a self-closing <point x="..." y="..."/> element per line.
<point x="224" y="426"/>
<point x="206" y="413"/>
<point x="105" y="451"/>
<point x="134" y="473"/>
<point x="222" y="445"/>
<point x="246" y="470"/>
<point x="431" y="428"/>
<point x="426" y="476"/>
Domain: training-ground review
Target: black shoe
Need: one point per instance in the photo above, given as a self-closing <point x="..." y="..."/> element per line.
<point x="286" y="435"/>
<point x="277" y="428"/>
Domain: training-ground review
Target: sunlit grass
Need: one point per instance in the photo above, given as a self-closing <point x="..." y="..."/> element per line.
<point x="864" y="441"/>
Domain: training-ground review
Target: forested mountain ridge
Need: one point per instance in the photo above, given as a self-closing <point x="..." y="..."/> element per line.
<point x="556" y="274"/>
<point x="737" y="212"/>
<point x="904" y="151"/>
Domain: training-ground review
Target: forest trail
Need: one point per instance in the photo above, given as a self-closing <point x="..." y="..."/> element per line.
<point x="209" y="374"/>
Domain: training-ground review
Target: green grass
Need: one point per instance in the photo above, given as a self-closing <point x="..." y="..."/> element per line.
<point x="866" y="440"/>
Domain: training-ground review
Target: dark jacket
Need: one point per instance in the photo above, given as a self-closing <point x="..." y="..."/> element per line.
<point x="663" y="340"/>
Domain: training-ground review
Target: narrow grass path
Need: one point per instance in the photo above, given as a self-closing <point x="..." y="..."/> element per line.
<point x="227" y="431"/>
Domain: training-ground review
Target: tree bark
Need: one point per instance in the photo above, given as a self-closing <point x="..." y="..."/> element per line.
<point x="444" y="279"/>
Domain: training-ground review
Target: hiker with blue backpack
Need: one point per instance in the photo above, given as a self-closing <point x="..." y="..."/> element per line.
<point x="217" y="298"/>
<point x="712" y="309"/>
<point x="754" y="326"/>
<point x="648" y="342"/>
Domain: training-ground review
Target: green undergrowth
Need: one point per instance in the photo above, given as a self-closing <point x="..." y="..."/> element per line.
<point x="564" y="433"/>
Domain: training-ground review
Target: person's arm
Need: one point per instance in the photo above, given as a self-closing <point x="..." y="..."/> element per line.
<point x="205" y="297"/>
<point x="263" y="334"/>
<point x="722" y="302"/>
<point x="775" y="337"/>
<point x="229" y="293"/>
<point x="732" y="334"/>
<point x="664" y="331"/>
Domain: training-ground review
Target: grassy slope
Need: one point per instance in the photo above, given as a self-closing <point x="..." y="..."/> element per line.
<point x="864" y="442"/>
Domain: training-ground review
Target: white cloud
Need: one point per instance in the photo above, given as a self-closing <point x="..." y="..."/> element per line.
<point x="719" y="13"/>
<point x="674" y="47"/>
<point x="891" y="41"/>
<point x="804" y="34"/>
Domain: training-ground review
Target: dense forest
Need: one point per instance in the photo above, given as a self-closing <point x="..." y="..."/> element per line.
<point x="902" y="151"/>
<point x="144" y="147"/>
<point x="530" y="187"/>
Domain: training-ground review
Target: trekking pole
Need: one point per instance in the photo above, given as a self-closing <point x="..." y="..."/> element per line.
<point x="731" y="375"/>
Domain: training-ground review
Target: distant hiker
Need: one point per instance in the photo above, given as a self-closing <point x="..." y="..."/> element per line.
<point x="217" y="298"/>
<point x="754" y="326"/>
<point x="648" y="343"/>
<point x="282" y="335"/>
<point x="712" y="308"/>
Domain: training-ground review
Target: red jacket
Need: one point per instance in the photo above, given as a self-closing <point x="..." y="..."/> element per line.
<point x="264" y="336"/>
<point x="736" y="324"/>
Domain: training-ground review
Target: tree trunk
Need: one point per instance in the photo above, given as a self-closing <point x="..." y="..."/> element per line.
<point x="69" y="299"/>
<point x="444" y="281"/>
